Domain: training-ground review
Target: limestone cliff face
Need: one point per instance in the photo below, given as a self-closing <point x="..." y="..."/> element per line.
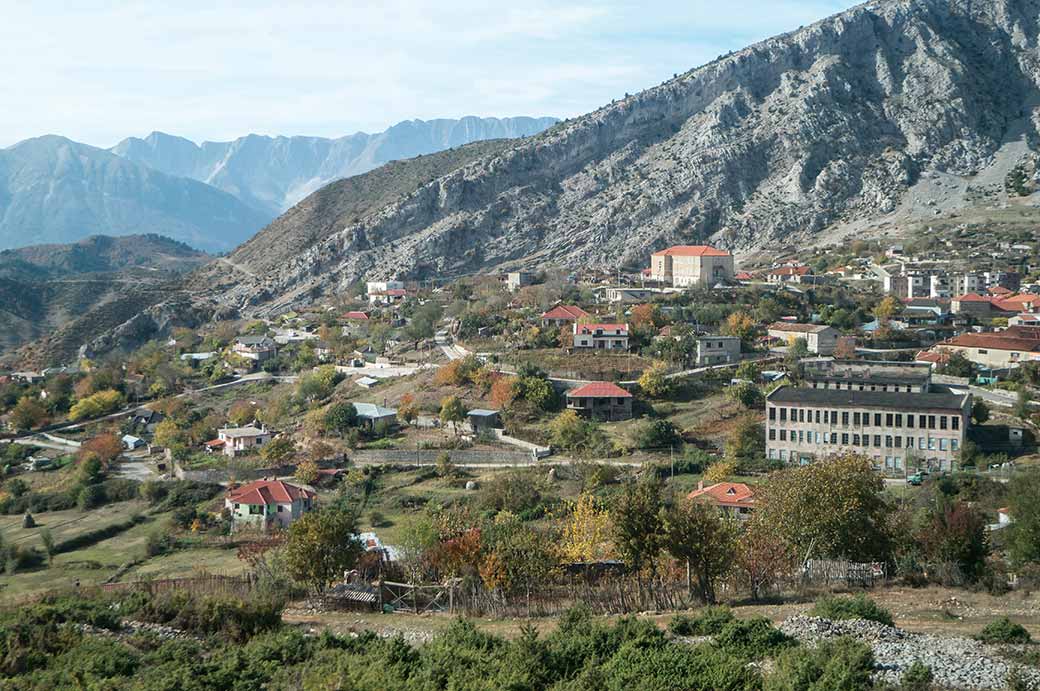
<point x="778" y="143"/>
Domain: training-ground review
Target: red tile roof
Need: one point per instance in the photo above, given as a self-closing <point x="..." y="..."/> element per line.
<point x="265" y="492"/>
<point x="726" y="494"/>
<point x="216" y="443"/>
<point x="599" y="389"/>
<point x="355" y="315"/>
<point x="1000" y="290"/>
<point x="995" y="341"/>
<point x="929" y="356"/>
<point x="691" y="251"/>
<point x="744" y="276"/>
<point x="791" y="271"/>
<point x="973" y="297"/>
<point x="565" y="312"/>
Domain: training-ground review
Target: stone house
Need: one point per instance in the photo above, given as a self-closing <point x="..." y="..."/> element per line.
<point x="601" y="400"/>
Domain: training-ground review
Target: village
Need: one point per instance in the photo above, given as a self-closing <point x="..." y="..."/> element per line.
<point x="441" y="430"/>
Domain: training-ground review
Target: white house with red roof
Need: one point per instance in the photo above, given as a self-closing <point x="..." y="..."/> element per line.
<point x="788" y="274"/>
<point x="733" y="498"/>
<point x="601" y="336"/>
<point x="233" y="441"/>
<point x="562" y="315"/>
<point x="684" y="266"/>
<point x="266" y="504"/>
<point x="601" y="400"/>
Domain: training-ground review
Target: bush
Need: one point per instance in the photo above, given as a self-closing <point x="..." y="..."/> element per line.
<point x="158" y="543"/>
<point x="1004" y="630"/>
<point x="857" y="607"/>
<point x="708" y="622"/>
<point x="917" y="677"/>
<point x="121" y="489"/>
<point x="90" y="497"/>
<point x="189" y="493"/>
<point x="752" y="639"/>
<point x="233" y="618"/>
<point x="92" y="537"/>
<point x="842" y="664"/>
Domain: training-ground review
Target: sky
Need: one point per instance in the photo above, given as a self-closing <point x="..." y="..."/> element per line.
<point x="97" y="71"/>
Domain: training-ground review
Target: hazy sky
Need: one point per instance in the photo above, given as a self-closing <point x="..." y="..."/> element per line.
<point x="100" y="71"/>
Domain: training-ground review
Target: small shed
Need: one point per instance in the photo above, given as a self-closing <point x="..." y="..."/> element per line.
<point x="480" y="418"/>
<point x="367" y="382"/>
<point x="130" y="442"/>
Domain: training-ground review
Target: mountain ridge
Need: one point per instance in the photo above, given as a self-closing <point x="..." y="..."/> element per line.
<point x="794" y="139"/>
<point x="274" y="173"/>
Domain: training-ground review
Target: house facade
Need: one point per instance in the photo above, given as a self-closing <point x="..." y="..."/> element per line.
<point x="267" y="504"/>
<point x="601" y="336"/>
<point x="788" y="274"/>
<point x="997" y="350"/>
<point x="257" y="348"/>
<point x="819" y="338"/>
<point x="601" y="400"/>
<point x="684" y="266"/>
<point x="896" y="430"/>
<point x="235" y="441"/>
<point x="717" y="350"/>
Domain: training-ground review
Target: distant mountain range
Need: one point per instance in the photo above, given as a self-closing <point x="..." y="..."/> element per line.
<point x="54" y="190"/>
<point x="212" y="197"/>
<point x="273" y="173"/>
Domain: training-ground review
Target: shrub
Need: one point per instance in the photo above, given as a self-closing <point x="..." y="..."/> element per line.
<point x="752" y="638"/>
<point x="842" y="664"/>
<point x="233" y="618"/>
<point x="158" y="543"/>
<point x="917" y="677"/>
<point x="708" y="622"/>
<point x="857" y="607"/>
<point x="1004" y="630"/>
<point x="92" y="537"/>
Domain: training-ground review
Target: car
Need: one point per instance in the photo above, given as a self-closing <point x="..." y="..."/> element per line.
<point x="916" y="479"/>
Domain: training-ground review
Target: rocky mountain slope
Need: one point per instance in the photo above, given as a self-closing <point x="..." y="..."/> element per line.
<point x="53" y="190"/>
<point x="273" y="173"/>
<point x="67" y="294"/>
<point x="838" y="127"/>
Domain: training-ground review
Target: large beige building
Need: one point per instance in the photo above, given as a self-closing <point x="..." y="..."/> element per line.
<point x="819" y="338"/>
<point x="686" y="266"/>
<point x="899" y="431"/>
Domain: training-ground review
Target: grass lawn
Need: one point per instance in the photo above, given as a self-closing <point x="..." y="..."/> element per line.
<point x="66" y="524"/>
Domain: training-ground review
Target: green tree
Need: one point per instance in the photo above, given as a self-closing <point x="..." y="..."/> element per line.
<point x="279" y="450"/>
<point x="958" y="365"/>
<point x="28" y="413"/>
<point x="638" y="531"/>
<point x="747" y="394"/>
<point x="654" y="381"/>
<point x="571" y="432"/>
<point x="1023" y="400"/>
<point x="96" y="405"/>
<point x="341" y="417"/>
<point x="833" y="507"/>
<point x="1024" y="531"/>
<point x="452" y="412"/>
<point x="48" y="544"/>
<point x="745" y="444"/>
<point x="320" y="546"/>
<point x="979" y="412"/>
<point x="657" y="434"/>
<point x="697" y="534"/>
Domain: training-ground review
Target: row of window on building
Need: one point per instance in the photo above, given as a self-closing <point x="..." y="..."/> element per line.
<point x="857" y="419"/>
<point x="891" y="441"/>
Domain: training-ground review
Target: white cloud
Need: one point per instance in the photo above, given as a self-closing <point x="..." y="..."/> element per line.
<point x="98" y="71"/>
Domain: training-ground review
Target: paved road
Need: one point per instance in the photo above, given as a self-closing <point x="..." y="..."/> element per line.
<point x="452" y="351"/>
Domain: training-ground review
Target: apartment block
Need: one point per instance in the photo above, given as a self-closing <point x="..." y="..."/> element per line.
<point x="898" y="431"/>
<point x="686" y="266"/>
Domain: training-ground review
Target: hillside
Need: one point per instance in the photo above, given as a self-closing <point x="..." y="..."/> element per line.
<point x="272" y="173"/>
<point x="100" y="253"/>
<point x="53" y="190"/>
<point x="334" y="207"/>
<point x="67" y="294"/>
<point x="887" y="113"/>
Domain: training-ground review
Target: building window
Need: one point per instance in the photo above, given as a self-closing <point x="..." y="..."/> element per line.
<point x="855" y="440"/>
<point x="844" y="439"/>
<point x="922" y="421"/>
<point x="889" y="419"/>
<point x="281" y="509"/>
<point x="783" y="435"/>
<point x="888" y="441"/>
<point x="955" y="422"/>
<point x="899" y="442"/>
<point x="772" y="435"/>
<point x="943" y="446"/>
<point x="942" y="422"/>
<point x="931" y="422"/>
<point x="772" y="413"/>
<point x="783" y="415"/>
<point x="899" y="419"/>
<point x="910" y="421"/>
<point x="855" y="419"/>
<point x="931" y="444"/>
<point x="845" y="419"/>
<point x="877" y="440"/>
<point x="954" y="445"/>
<point x="817" y="417"/>
<point x="877" y="419"/>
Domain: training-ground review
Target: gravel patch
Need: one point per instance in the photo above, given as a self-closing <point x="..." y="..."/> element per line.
<point x="957" y="663"/>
